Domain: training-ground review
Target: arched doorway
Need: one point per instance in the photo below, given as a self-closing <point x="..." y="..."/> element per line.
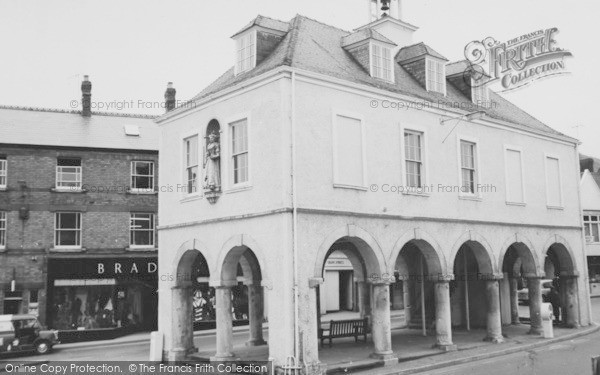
<point x="369" y="288"/>
<point x="426" y="291"/>
<point x="475" y="292"/>
<point x="520" y="271"/>
<point x="239" y="296"/>
<point x="559" y="266"/>
<point x="190" y="279"/>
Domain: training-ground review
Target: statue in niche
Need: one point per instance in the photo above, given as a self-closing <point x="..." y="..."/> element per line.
<point x="212" y="163"/>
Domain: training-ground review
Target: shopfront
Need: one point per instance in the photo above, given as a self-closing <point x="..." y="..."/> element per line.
<point x="102" y="293"/>
<point x="204" y="304"/>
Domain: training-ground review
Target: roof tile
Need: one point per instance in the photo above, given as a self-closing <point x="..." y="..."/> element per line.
<point x="417" y="50"/>
<point x="46" y="127"/>
<point x="316" y="47"/>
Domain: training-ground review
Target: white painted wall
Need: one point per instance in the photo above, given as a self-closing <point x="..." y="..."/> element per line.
<point x="260" y="214"/>
<point x="590" y="193"/>
<point x="383" y="139"/>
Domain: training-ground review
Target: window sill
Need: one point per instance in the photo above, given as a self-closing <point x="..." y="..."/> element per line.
<point x="191" y="197"/>
<point x="474" y="198"/>
<point x="522" y="204"/>
<point x="2" y="249"/>
<point x="416" y="193"/>
<point x="351" y="187"/>
<point x="61" y="249"/>
<point x="141" y="248"/>
<point x="68" y="190"/>
<point x="238" y="188"/>
<point x="142" y="191"/>
<point x="3" y="188"/>
<point x="560" y="208"/>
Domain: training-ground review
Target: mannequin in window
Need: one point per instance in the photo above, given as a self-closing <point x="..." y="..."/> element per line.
<point x="212" y="163"/>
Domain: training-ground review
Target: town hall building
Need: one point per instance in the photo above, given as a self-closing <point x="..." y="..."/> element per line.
<point x="300" y="151"/>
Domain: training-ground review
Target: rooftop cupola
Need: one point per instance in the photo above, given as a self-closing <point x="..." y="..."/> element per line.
<point x="385" y="16"/>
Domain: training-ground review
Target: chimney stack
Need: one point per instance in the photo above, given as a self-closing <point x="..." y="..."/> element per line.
<point x="170" y="97"/>
<point x="86" y="97"/>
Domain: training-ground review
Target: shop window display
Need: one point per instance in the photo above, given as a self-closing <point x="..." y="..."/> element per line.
<point x="79" y="307"/>
<point x="204" y="302"/>
<point x="96" y="307"/>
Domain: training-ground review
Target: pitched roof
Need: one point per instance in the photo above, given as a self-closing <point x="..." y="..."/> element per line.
<point x="461" y="67"/>
<point x="267" y="23"/>
<point x="457" y="67"/>
<point x="48" y="127"/>
<point x="589" y="162"/>
<point x="364" y="34"/>
<point x="596" y="177"/>
<point x="316" y="47"/>
<point x="417" y="50"/>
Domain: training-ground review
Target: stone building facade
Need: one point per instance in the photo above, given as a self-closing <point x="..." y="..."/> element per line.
<point x="323" y="153"/>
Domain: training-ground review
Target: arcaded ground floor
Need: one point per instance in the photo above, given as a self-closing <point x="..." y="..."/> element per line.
<point x="449" y="276"/>
<point x="407" y="344"/>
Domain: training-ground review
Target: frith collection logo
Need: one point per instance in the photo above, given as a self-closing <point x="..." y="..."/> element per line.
<point x="517" y="62"/>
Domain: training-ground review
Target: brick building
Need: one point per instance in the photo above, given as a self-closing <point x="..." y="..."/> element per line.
<point x="78" y="199"/>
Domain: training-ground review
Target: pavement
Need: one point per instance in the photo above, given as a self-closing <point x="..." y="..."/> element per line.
<point x="141" y="337"/>
<point x="415" y="351"/>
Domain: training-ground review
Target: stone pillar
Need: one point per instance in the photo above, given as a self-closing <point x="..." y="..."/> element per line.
<point x="494" y="318"/>
<point x="308" y="327"/>
<point x="570" y="309"/>
<point x="363" y="299"/>
<point x="381" y="323"/>
<point x="255" y="314"/>
<point x="534" y="286"/>
<point x="443" y="319"/>
<point x="183" y="325"/>
<point x="224" y="324"/>
<point x="407" y="305"/>
<point x="514" y="300"/>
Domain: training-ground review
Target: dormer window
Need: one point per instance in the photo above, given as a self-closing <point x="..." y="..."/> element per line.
<point x="436" y="76"/>
<point x="381" y="62"/>
<point x="245" y="52"/>
<point x="479" y="93"/>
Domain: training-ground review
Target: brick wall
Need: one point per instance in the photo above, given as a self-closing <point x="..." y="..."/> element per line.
<point x="105" y="206"/>
<point x="105" y="210"/>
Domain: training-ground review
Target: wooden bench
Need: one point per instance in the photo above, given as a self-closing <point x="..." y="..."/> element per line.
<point x="345" y="328"/>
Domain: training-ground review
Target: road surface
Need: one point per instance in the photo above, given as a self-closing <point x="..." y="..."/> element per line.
<point x="569" y="357"/>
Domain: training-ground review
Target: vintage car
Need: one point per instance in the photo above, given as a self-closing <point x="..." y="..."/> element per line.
<point x="523" y="294"/>
<point x="24" y="333"/>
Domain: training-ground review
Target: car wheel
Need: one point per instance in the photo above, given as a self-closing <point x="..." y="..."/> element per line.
<point x="43" y="347"/>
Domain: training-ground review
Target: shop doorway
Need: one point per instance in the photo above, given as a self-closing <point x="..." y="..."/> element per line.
<point x="12" y="302"/>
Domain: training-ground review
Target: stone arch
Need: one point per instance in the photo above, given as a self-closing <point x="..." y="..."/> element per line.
<point x="526" y="251"/>
<point x="429" y="247"/>
<point x="365" y="243"/>
<point x="562" y="249"/>
<point x="353" y="256"/>
<point x="184" y="258"/>
<point x="233" y="252"/>
<point x="481" y="250"/>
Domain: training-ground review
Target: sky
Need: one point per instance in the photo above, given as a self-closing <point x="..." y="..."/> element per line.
<point x="132" y="48"/>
